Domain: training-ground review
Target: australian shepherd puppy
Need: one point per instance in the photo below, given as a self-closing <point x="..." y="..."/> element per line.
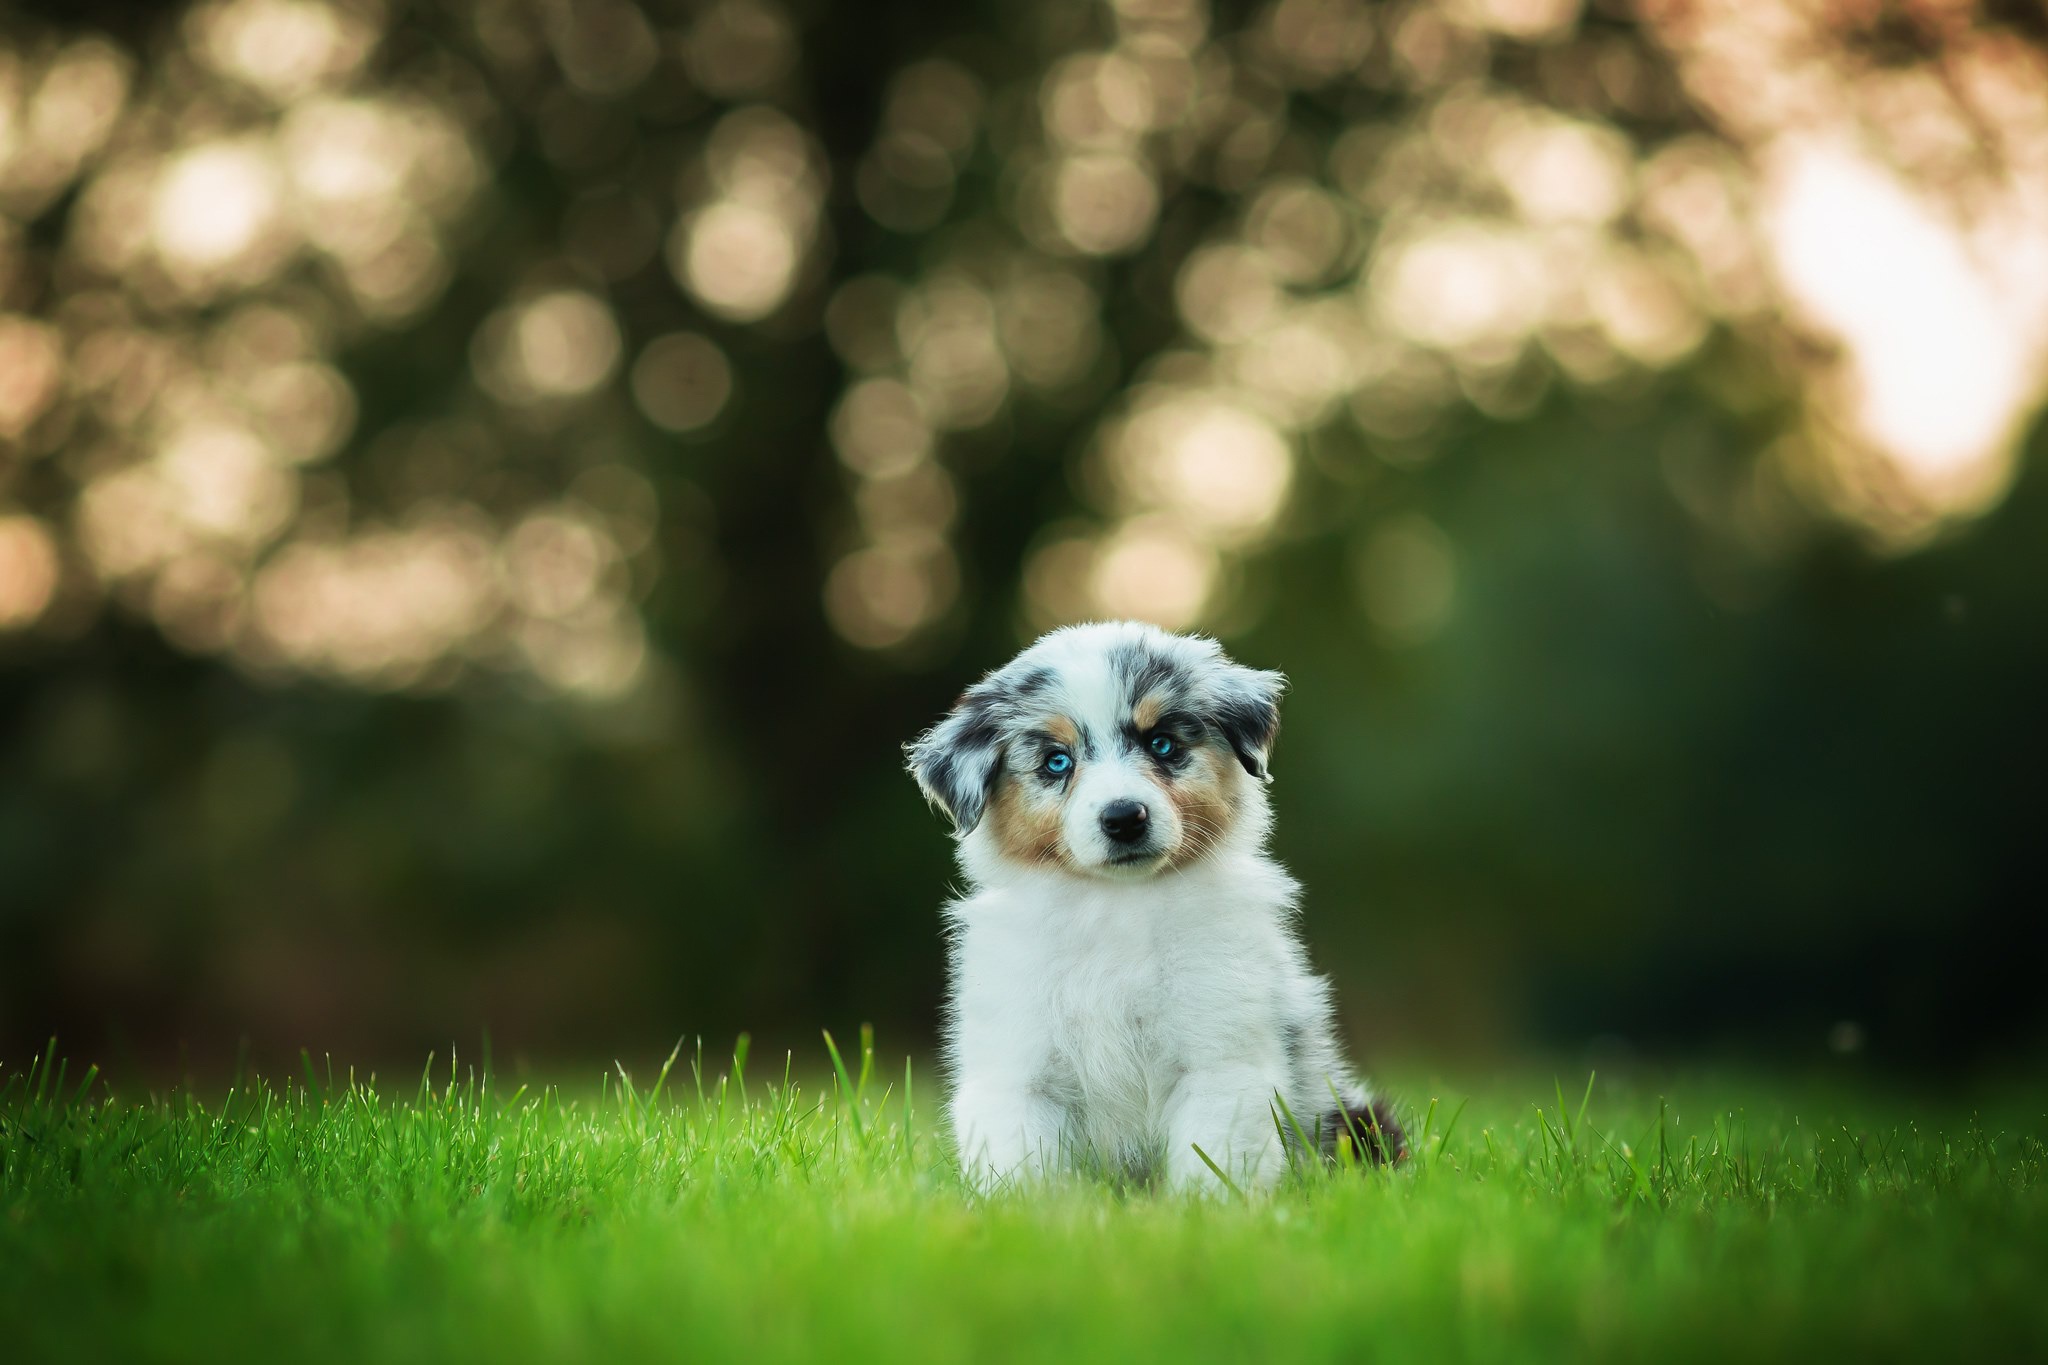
<point x="1127" y="986"/>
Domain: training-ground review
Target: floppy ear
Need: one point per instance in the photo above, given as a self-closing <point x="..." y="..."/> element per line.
<point x="955" y="761"/>
<point x="1245" y="706"/>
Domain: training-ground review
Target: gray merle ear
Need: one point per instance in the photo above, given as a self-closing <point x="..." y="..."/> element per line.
<point x="955" y="761"/>
<point x="1245" y="706"/>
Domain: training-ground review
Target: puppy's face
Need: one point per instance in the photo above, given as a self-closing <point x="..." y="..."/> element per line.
<point x="1116" y="751"/>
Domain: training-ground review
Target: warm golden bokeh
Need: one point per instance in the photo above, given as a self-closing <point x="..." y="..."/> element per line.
<point x="1404" y="236"/>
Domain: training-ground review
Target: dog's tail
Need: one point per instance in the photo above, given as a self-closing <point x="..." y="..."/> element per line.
<point x="1370" y="1131"/>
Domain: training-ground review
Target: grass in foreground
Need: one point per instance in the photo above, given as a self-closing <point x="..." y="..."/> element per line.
<point x="334" y="1220"/>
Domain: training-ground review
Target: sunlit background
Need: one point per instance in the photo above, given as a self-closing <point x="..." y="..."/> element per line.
<point x="486" y="486"/>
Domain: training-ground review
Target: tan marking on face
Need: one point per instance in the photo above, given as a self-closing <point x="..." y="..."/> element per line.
<point x="1146" y="713"/>
<point x="1026" y="824"/>
<point x="1203" y="800"/>
<point x="1064" y="731"/>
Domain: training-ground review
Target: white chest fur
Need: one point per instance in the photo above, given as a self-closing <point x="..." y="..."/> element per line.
<point x="1116" y="1025"/>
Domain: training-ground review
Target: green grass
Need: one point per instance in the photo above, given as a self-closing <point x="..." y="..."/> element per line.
<point x="692" y="1218"/>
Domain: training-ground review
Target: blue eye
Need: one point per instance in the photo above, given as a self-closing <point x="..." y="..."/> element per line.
<point x="1161" y="745"/>
<point x="1058" y="764"/>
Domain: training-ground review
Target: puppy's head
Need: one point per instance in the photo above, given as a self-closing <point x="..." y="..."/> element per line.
<point x="1114" y="750"/>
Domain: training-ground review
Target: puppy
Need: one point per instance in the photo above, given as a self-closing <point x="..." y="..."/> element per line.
<point x="1127" y="985"/>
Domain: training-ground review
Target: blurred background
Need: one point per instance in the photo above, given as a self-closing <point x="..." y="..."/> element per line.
<point x="486" y="486"/>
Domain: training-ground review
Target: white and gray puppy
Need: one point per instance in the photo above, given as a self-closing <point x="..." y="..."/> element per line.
<point x="1127" y="984"/>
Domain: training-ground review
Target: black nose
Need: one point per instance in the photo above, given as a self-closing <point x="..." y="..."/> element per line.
<point x="1125" y="821"/>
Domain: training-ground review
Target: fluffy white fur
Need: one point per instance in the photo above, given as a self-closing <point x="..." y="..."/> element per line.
<point x="1111" y="1017"/>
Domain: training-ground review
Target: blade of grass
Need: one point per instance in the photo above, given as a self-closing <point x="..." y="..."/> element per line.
<point x="41" y="1075"/>
<point x="1355" y="1153"/>
<point x="661" y="1077"/>
<point x="92" y="1073"/>
<point x="867" y="1062"/>
<point x="1295" y="1125"/>
<point x="1450" y="1127"/>
<point x="634" y="1113"/>
<point x="312" y="1082"/>
<point x="846" y="1088"/>
<point x="909" y="1137"/>
<point x="1228" y="1183"/>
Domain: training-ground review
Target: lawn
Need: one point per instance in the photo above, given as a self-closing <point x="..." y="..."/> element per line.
<point x="690" y="1217"/>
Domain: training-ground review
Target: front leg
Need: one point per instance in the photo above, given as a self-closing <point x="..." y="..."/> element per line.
<point x="1227" y="1109"/>
<point x="1007" y="1129"/>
